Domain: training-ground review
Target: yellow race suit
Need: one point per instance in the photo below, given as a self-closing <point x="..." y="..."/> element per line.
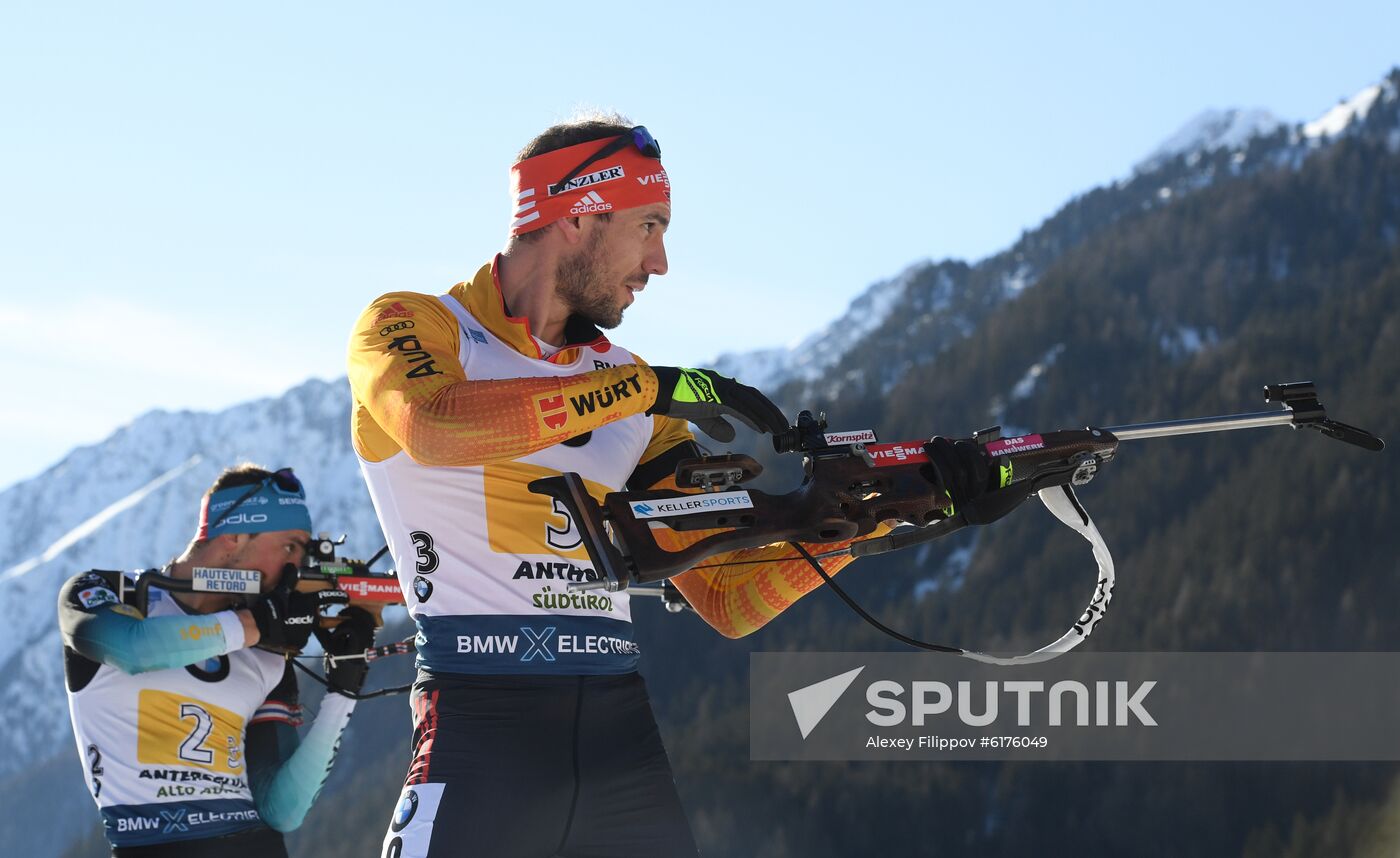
<point x="456" y="408"/>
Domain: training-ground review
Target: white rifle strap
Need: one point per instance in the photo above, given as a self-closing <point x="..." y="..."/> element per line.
<point x="1061" y="501"/>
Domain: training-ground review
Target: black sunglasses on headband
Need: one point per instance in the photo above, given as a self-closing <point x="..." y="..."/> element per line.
<point x="638" y="136"/>
<point x="283" y="479"/>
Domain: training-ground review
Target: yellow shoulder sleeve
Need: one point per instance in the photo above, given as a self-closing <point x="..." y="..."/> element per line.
<point x="404" y="348"/>
<point x="412" y="395"/>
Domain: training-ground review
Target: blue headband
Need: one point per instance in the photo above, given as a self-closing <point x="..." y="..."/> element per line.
<point x="250" y="509"/>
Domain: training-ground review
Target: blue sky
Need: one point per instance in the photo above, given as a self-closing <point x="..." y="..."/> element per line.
<point x="197" y="200"/>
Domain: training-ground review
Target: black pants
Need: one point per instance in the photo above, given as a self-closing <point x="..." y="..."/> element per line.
<point x="259" y="842"/>
<point x="532" y="767"/>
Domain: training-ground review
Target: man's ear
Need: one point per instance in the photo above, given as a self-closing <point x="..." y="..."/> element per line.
<point x="231" y="543"/>
<point x="571" y="228"/>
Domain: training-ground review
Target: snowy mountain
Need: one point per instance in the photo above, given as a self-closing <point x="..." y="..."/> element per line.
<point x="132" y="502"/>
<point x="1211" y="129"/>
<point x="911" y="317"/>
<point x="768" y="368"/>
<point x="1337" y="120"/>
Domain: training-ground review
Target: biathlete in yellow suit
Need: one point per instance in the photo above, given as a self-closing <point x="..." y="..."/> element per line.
<point x="533" y="734"/>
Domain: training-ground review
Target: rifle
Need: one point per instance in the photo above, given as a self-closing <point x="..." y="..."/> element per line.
<point x="852" y="483"/>
<point x="320" y="570"/>
<point x="369" y="590"/>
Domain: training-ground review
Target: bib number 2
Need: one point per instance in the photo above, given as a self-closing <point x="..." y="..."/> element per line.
<point x="191" y="749"/>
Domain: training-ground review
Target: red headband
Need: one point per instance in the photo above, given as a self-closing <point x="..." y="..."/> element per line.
<point x="624" y="180"/>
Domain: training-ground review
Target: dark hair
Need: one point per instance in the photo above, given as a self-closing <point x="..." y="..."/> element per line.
<point x="580" y="129"/>
<point x="246" y="474"/>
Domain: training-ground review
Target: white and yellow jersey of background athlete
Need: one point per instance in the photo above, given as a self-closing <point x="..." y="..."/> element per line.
<point x="165" y="749"/>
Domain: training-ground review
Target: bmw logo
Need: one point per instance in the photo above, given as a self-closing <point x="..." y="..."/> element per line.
<point x="210" y="670"/>
<point x="408" y="806"/>
<point x="422" y="588"/>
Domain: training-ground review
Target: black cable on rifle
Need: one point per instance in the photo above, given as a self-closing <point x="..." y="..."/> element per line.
<point x="865" y="616"/>
<point x="366" y="695"/>
<point x="835" y="552"/>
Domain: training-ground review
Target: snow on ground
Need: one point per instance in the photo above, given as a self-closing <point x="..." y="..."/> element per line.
<point x="1017" y="282"/>
<point x="92" y="525"/>
<point x="1335" y="121"/>
<point x="1186" y="340"/>
<point x="950" y="575"/>
<point x="1208" y="130"/>
<point x="814" y="355"/>
<point x="1026" y="384"/>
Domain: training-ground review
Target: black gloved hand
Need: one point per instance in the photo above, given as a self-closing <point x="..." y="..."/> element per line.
<point x="705" y="398"/>
<point x="353" y="635"/>
<point x="964" y="471"/>
<point x="285" y="617"/>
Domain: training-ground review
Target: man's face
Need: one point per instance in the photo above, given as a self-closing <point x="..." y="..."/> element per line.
<point x="268" y="553"/>
<point x="599" y="280"/>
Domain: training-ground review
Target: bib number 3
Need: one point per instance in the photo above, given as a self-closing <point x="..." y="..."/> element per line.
<point x="568" y="537"/>
<point x="427" y="558"/>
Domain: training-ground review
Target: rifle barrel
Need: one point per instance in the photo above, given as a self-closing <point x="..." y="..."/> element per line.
<point x="1167" y="428"/>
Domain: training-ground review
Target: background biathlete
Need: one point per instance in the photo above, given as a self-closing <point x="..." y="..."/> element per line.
<point x="187" y="734"/>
